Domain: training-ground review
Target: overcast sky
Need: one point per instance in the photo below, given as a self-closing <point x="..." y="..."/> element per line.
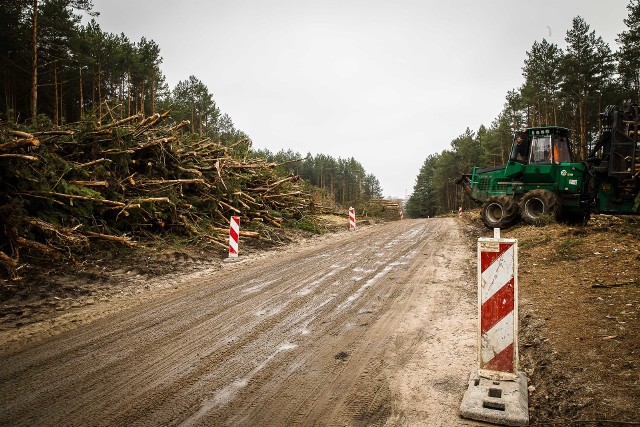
<point x="385" y="82"/>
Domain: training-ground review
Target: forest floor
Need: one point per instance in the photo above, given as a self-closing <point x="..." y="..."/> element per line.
<point x="579" y="288"/>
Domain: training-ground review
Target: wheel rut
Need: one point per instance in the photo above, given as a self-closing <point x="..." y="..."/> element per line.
<point x="320" y="335"/>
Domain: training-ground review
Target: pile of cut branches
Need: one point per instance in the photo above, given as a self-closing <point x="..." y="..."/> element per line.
<point x="129" y="178"/>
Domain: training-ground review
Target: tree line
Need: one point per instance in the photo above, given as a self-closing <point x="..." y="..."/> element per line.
<point x="343" y="180"/>
<point x="55" y="71"/>
<point x="562" y="87"/>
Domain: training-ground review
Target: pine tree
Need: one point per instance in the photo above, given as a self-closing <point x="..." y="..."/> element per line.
<point x="587" y="68"/>
<point x="542" y="82"/>
<point x="629" y="54"/>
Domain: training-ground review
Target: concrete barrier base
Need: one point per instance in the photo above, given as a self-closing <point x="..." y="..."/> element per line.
<point x="498" y="402"/>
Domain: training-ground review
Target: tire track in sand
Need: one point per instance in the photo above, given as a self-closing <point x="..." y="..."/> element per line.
<point x="318" y="335"/>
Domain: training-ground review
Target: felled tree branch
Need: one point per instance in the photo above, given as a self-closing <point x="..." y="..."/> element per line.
<point x="122" y="240"/>
<point x="20" y="143"/>
<point x="20" y="156"/>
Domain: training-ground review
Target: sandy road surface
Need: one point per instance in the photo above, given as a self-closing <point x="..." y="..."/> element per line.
<point x="375" y="327"/>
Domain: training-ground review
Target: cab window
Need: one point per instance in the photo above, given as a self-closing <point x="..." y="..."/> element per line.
<point x="520" y="148"/>
<point x="540" y="150"/>
<point x="561" y="152"/>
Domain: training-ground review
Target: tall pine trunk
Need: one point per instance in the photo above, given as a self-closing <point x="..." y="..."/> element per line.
<point x="582" y="120"/>
<point x="99" y="93"/>
<point x="142" y="99"/>
<point x="34" y="79"/>
<point x="9" y="97"/>
<point x="121" y="97"/>
<point x="193" y="117"/>
<point x="153" y="98"/>
<point x="55" y="95"/>
<point x="539" y="110"/>
<point x="93" y="90"/>
<point x="546" y="110"/>
<point x="81" y="98"/>
<point x="61" y="112"/>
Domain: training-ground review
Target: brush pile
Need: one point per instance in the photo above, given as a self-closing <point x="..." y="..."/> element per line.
<point x="130" y="178"/>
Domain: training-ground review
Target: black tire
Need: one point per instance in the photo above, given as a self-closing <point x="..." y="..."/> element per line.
<point x="499" y="212"/>
<point x="537" y="207"/>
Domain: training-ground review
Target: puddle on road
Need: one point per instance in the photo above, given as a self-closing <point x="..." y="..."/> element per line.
<point x="305" y="330"/>
<point x="227" y="394"/>
<point x="403" y="260"/>
<point x="268" y="312"/>
<point x="257" y="287"/>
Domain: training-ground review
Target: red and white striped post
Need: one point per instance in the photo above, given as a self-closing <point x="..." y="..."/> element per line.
<point x="498" y="307"/>
<point x="460" y="211"/>
<point x="497" y="392"/>
<point x="234" y="234"/>
<point x="352" y="219"/>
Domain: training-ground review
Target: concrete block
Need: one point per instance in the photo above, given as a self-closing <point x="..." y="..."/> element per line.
<point x="498" y="402"/>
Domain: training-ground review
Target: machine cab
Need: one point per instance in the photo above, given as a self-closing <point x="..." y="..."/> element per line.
<point x="541" y="159"/>
<point x="547" y="145"/>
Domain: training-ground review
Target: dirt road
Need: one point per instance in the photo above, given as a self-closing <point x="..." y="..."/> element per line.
<point x="373" y="327"/>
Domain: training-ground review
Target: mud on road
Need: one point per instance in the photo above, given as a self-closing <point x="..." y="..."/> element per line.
<point x="373" y="327"/>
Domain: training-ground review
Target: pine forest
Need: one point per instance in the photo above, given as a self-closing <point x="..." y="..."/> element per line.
<point x="562" y="87"/>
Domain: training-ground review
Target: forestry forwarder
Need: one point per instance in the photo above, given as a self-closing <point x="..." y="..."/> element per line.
<point x="540" y="180"/>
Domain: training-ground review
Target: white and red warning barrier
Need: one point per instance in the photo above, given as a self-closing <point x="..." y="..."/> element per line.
<point x="352" y="219"/>
<point x="234" y="234"/>
<point x="498" y="307"/>
<point x="460" y="211"/>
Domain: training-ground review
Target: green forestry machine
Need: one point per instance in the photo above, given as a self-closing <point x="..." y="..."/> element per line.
<point x="541" y="181"/>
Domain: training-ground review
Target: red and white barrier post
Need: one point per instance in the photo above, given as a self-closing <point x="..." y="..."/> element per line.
<point x="234" y="235"/>
<point x="497" y="392"/>
<point x="498" y="307"/>
<point x="352" y="219"/>
<point x="460" y="211"/>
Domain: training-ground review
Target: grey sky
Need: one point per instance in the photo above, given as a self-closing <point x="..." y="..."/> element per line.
<point x="387" y="82"/>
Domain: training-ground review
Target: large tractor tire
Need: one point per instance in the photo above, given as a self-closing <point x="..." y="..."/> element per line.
<point x="537" y="207"/>
<point x="499" y="212"/>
